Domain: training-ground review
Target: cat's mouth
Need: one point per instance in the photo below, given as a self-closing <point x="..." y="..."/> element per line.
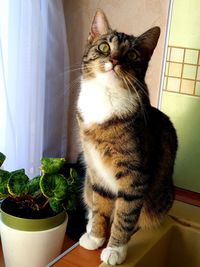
<point x="109" y="67"/>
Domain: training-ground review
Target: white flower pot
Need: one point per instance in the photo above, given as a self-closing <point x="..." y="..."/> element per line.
<point x="31" y="242"/>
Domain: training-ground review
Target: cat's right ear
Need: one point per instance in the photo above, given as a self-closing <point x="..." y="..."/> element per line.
<point x="99" y="26"/>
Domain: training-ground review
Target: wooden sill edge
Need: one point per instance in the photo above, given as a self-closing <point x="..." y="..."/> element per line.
<point x="187" y="196"/>
<point x="59" y="257"/>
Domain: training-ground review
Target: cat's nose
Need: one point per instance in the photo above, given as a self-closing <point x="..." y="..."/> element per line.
<point x="114" y="61"/>
<point x="114" y="58"/>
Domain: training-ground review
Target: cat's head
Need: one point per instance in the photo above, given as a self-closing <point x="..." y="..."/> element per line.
<point x="123" y="56"/>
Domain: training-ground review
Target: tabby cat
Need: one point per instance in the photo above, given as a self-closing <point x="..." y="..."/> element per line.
<point x="129" y="146"/>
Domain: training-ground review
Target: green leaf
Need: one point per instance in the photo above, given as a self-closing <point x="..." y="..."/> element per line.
<point x="20" y="171"/>
<point x="54" y="186"/>
<point x="72" y="181"/>
<point x="71" y="204"/>
<point x="4" y="176"/>
<point x="73" y="173"/>
<point x="17" y="183"/>
<point x="2" y="158"/>
<point x="56" y="205"/>
<point x="51" y="165"/>
<point x="34" y="186"/>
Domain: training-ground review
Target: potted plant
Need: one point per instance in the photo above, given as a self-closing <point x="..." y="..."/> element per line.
<point x="33" y="212"/>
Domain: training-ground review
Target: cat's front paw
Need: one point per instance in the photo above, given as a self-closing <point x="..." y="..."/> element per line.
<point x="90" y="242"/>
<point x="114" y="255"/>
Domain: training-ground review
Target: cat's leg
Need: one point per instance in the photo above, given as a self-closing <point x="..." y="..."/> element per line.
<point x="100" y="207"/>
<point x="127" y="210"/>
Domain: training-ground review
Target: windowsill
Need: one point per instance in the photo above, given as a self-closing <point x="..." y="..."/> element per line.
<point x="182" y="216"/>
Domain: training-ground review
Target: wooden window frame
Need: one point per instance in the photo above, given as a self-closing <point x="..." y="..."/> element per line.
<point x="187" y="196"/>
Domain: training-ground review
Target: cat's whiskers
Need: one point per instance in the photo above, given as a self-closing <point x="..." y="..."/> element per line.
<point x="141" y="86"/>
<point x="74" y="83"/>
<point x="128" y="86"/>
<point x="73" y="66"/>
<point x="73" y="70"/>
<point x="68" y="70"/>
<point x="130" y="79"/>
<point x="131" y="86"/>
<point x="144" y="91"/>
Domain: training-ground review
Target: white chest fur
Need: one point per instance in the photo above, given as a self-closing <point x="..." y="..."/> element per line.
<point x="102" y="97"/>
<point x="102" y="172"/>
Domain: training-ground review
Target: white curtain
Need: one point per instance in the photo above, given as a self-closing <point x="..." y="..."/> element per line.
<point x="33" y="82"/>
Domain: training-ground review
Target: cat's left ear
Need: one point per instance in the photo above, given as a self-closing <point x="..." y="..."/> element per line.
<point x="148" y="40"/>
<point x="99" y="26"/>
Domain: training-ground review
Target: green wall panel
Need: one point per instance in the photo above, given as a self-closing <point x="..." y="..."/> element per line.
<point x="184" y="112"/>
<point x="185" y="24"/>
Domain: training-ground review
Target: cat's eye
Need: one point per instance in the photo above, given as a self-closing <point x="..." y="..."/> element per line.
<point x="104" y="48"/>
<point x="132" y="55"/>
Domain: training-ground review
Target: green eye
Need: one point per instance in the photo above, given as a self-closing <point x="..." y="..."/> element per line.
<point x="104" y="48"/>
<point x="132" y="55"/>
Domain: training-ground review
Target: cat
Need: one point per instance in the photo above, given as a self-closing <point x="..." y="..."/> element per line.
<point x="129" y="146"/>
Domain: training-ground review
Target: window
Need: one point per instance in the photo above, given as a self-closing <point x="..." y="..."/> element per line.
<point x="33" y="82"/>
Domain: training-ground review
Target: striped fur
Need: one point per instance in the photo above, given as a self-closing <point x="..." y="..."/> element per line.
<point x="129" y="146"/>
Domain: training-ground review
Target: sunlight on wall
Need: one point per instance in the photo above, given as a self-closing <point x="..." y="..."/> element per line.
<point x="185" y="24"/>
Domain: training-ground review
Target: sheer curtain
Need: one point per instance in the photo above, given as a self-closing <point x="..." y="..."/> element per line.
<point x="33" y="82"/>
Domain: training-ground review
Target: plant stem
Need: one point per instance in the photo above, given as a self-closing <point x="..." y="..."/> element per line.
<point x="44" y="205"/>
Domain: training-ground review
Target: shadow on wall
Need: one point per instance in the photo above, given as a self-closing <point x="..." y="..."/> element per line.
<point x="74" y="14"/>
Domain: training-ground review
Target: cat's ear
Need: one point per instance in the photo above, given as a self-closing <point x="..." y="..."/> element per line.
<point x="99" y="26"/>
<point x="148" y="40"/>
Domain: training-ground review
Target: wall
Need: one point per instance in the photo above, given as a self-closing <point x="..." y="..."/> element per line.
<point x="185" y="23"/>
<point x="130" y="16"/>
<point x="181" y="95"/>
